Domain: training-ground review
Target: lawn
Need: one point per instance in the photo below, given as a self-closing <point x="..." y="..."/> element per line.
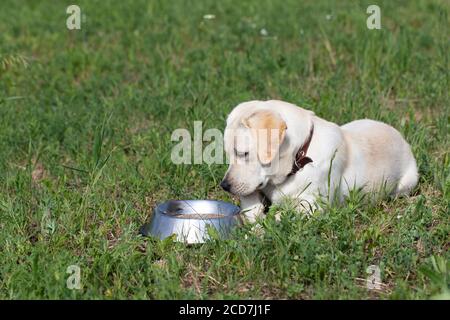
<point x="86" y="118"/>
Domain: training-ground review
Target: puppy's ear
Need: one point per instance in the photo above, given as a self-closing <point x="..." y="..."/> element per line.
<point x="268" y="129"/>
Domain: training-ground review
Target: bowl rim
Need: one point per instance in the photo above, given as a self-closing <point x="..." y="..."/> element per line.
<point x="236" y="209"/>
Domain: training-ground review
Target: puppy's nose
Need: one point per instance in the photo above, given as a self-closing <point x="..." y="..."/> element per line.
<point x="225" y="185"/>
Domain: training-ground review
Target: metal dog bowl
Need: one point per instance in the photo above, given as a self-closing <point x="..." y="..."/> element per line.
<point x="190" y="220"/>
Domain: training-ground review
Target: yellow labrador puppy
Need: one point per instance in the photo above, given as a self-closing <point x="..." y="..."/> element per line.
<point x="278" y="149"/>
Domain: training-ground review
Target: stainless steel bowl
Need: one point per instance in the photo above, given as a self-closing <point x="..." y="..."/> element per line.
<point x="190" y="219"/>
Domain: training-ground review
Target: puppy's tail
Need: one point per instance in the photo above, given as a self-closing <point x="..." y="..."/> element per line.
<point x="409" y="180"/>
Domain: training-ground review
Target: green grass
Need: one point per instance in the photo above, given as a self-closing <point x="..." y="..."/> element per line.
<point x="85" y="124"/>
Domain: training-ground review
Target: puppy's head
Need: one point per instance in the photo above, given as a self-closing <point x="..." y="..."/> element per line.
<point x="253" y="143"/>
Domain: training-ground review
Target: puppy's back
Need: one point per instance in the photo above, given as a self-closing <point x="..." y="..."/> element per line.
<point x="381" y="152"/>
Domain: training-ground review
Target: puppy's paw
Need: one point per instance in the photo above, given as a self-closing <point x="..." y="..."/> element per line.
<point x="250" y="215"/>
<point x="252" y="207"/>
<point x="256" y="230"/>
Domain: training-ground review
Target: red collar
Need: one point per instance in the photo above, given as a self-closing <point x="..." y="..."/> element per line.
<point x="301" y="159"/>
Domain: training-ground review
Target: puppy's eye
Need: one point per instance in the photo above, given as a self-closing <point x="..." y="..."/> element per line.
<point x="241" y="154"/>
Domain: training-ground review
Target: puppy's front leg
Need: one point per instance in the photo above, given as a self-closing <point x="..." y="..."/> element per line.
<point x="252" y="206"/>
